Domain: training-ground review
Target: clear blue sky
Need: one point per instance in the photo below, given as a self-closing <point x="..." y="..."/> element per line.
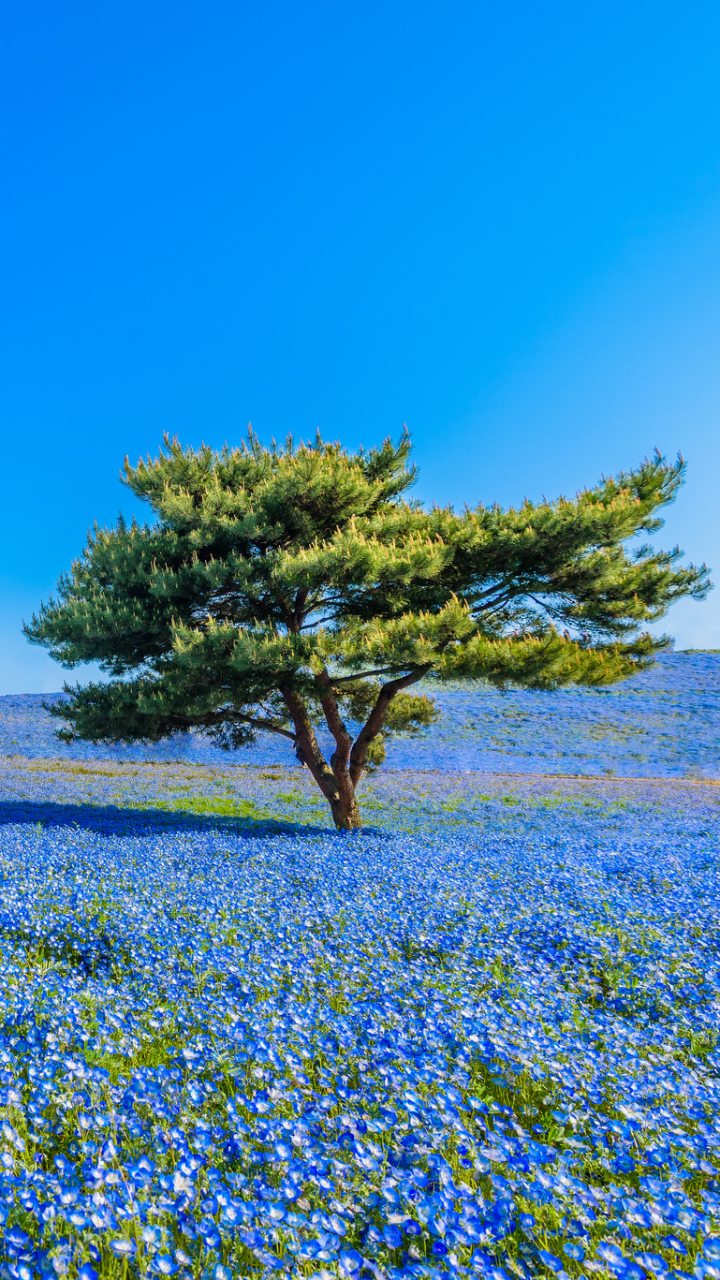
<point x="497" y="223"/>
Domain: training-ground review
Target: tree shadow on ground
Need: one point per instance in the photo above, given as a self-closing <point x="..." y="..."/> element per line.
<point x="112" y="820"/>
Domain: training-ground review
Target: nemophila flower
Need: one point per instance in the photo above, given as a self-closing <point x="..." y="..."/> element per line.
<point x="573" y="1250"/>
<point x="123" y="1248"/>
<point x="16" y="1238"/>
<point x="652" y="1262"/>
<point x="350" y="1262"/>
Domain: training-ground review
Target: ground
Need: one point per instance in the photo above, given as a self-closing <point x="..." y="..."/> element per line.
<point x="479" y="1038"/>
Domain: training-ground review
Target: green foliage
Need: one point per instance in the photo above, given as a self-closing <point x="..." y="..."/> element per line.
<point x="281" y="588"/>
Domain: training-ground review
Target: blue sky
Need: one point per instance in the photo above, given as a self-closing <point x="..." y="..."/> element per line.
<point x="499" y="224"/>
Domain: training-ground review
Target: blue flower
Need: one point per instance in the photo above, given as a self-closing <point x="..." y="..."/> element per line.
<point x="652" y="1262"/>
<point x="166" y="1265"/>
<point x="16" y="1238"/>
<point x="123" y="1248"/>
<point x="550" y="1260"/>
<point x="611" y="1254"/>
<point x="574" y="1250"/>
<point x="393" y="1237"/>
<point x="349" y="1261"/>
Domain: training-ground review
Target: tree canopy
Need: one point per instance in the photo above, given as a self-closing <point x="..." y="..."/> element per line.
<point x="280" y="589"/>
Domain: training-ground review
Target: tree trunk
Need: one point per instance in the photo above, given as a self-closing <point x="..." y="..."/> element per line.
<point x="335" y="783"/>
<point x="345" y="812"/>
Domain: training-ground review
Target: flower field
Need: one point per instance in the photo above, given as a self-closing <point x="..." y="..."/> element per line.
<point x="478" y="1039"/>
<point x="662" y="723"/>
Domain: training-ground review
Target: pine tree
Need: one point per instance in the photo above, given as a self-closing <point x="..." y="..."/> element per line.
<point x="282" y="589"/>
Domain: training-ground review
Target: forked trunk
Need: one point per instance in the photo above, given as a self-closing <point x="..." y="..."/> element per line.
<point x="333" y="779"/>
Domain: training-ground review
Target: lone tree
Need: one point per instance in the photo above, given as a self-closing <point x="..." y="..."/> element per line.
<point x="286" y="588"/>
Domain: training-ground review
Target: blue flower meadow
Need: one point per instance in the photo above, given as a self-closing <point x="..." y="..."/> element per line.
<point x="662" y="723"/>
<point x="478" y="1039"/>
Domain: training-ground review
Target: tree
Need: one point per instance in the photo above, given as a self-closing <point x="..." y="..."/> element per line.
<point x="285" y="588"/>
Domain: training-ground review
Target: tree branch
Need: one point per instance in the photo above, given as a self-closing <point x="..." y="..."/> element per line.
<point x="504" y="584"/>
<point x="363" y="675"/>
<point x="487" y="603"/>
<point x="374" y="722"/>
<point x="541" y="605"/>
<point x="305" y="738"/>
<point x="220" y="717"/>
<point x="300" y="601"/>
<point x="336" y="725"/>
<point x="306" y="625"/>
